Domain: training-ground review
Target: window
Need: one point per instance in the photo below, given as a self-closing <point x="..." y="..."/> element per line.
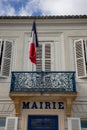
<point x="2" y="122"/>
<point x="5" y="57"/>
<point x="84" y="124"/>
<point x="45" y="60"/>
<point x="8" y="123"/>
<point x="74" y="124"/>
<point x="45" y="57"/>
<point x="11" y="123"/>
<point x="80" y="47"/>
<point x="77" y="124"/>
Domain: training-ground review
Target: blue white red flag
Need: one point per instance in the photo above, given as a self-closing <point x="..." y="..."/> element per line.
<point x="33" y="44"/>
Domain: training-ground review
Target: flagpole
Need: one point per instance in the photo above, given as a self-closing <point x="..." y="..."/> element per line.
<point x="32" y="67"/>
<point x="40" y="59"/>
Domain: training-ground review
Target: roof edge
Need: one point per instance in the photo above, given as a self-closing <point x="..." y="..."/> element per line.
<point x="45" y="17"/>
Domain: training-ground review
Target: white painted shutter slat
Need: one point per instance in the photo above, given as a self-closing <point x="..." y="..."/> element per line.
<point x="47" y="61"/>
<point x="1" y="52"/>
<point x="48" y="57"/>
<point x="11" y="123"/>
<point x="39" y="52"/>
<point x="80" y="58"/>
<point x="39" y="65"/>
<point x="47" y="51"/>
<point x="0" y="46"/>
<point x="47" y="65"/>
<point x="74" y="124"/>
<point x="39" y="58"/>
<point x="85" y="50"/>
<point x="6" y="58"/>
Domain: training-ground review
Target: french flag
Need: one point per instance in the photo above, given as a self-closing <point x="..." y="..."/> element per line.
<point x="33" y="44"/>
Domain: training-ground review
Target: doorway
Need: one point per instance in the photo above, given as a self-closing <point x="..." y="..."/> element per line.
<point x="42" y="122"/>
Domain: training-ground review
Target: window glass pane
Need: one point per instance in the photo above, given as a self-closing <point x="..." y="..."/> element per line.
<point x="83" y="123"/>
<point x="2" y="122"/>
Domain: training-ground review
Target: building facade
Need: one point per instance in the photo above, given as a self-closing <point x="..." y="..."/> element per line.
<point x="52" y="94"/>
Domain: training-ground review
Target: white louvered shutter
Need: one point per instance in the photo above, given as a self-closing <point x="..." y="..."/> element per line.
<point x="47" y="61"/>
<point x="0" y="46"/>
<point x="74" y="124"/>
<point x="80" y="60"/>
<point x="11" y="123"/>
<point x="45" y="57"/>
<point x="6" y="58"/>
<point x="39" y="58"/>
<point x="85" y="42"/>
<point x="48" y="57"/>
<point x="1" y="53"/>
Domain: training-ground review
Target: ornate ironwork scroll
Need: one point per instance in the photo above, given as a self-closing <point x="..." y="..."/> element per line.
<point x="43" y="81"/>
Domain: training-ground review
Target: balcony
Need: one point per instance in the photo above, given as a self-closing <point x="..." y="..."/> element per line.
<point x="43" y="86"/>
<point x="43" y="82"/>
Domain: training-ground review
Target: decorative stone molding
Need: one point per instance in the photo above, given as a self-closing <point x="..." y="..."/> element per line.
<point x="67" y="98"/>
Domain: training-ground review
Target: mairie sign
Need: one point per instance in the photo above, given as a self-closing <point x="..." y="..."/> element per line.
<point x="42" y="105"/>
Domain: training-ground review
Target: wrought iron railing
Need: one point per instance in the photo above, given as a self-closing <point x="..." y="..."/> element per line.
<point x="43" y="82"/>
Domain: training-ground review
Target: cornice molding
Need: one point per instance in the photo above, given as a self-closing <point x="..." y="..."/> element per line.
<point x="42" y="20"/>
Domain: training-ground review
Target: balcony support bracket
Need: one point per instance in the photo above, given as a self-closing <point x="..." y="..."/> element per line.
<point x="17" y="104"/>
<point x="68" y="106"/>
